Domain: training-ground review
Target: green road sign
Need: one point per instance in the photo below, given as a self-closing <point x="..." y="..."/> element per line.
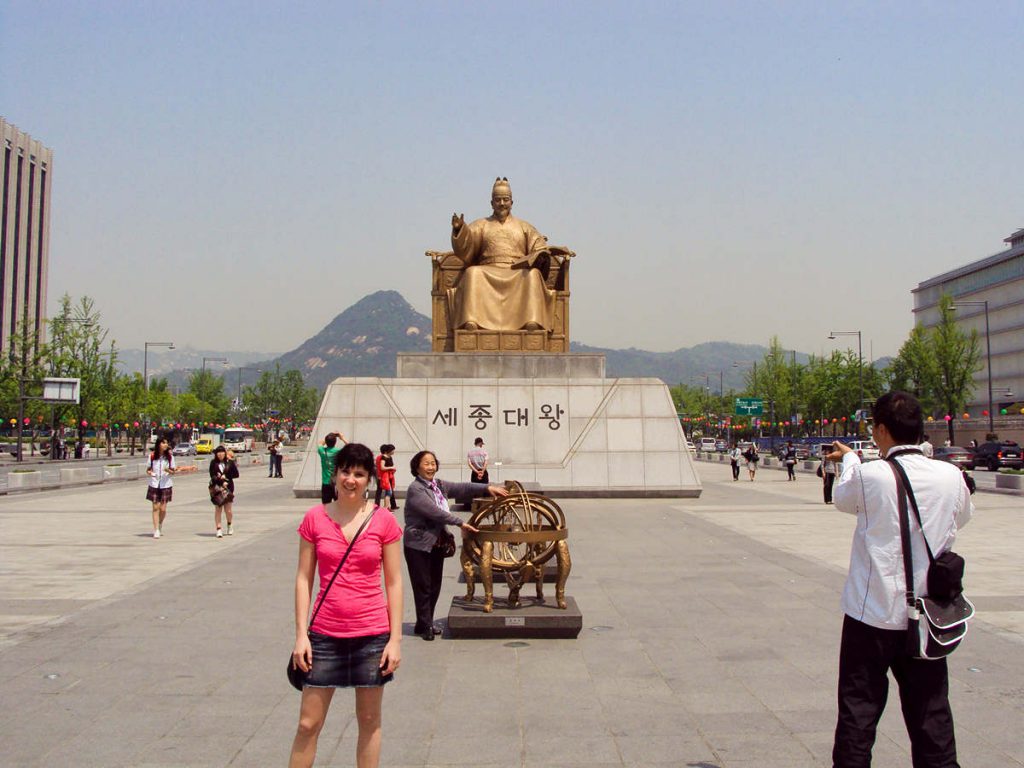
<point x="749" y="406"/>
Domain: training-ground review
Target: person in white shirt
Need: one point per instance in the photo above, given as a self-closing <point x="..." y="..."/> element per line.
<point x="874" y="602"/>
<point x="735" y="457"/>
<point x="926" y="447"/>
<point x="160" y="467"/>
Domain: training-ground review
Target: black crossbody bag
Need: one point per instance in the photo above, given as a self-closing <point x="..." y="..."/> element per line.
<point x="295" y="675"/>
<point x="946" y="610"/>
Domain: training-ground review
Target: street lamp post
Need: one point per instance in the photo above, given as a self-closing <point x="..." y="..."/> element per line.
<point x="988" y="354"/>
<point x="213" y="360"/>
<point x="145" y="359"/>
<point x="860" y="366"/>
<point x="240" y="369"/>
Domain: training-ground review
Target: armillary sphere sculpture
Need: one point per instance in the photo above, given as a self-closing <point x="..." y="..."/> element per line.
<point x="518" y="534"/>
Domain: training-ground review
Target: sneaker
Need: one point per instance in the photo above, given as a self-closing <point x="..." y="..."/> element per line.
<point x="231" y="531"/>
<point x="220" y="534"/>
<point x="156" y="534"/>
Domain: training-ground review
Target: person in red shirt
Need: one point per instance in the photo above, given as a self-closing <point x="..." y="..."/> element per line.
<point x="355" y="639"/>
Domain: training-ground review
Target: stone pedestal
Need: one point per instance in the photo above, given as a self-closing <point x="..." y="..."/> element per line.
<point x="572" y="434"/>
<point x="532" y="620"/>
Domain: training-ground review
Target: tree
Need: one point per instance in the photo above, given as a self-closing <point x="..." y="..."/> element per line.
<point x="957" y="358"/>
<point x="915" y="369"/>
<point x="76" y="340"/>
<point x="210" y="390"/>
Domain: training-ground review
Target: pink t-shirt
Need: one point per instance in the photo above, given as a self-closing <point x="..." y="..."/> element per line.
<point x="355" y="606"/>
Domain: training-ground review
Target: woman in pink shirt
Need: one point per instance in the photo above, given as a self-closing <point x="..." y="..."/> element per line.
<point x="355" y="640"/>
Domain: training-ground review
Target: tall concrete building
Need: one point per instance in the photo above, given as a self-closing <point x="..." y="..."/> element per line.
<point x="999" y="280"/>
<point x="25" y="171"/>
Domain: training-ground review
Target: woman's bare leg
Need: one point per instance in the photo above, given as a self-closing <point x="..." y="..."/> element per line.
<point x="312" y="713"/>
<point x="368" y="717"/>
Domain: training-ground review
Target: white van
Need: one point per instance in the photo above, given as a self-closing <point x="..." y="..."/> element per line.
<point x="707" y="444"/>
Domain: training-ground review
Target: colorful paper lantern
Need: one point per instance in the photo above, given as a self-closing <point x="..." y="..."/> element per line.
<point x="947" y="417"/>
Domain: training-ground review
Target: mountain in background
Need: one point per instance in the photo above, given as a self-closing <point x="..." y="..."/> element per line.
<point x="366" y="338"/>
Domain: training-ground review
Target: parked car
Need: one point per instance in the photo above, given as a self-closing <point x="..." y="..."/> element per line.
<point x="184" y="449"/>
<point x="707" y="444"/>
<point x="955" y="455"/>
<point x="721" y="446"/>
<point x="690" y="446"/>
<point x="997" y="454"/>
<point x="205" y="445"/>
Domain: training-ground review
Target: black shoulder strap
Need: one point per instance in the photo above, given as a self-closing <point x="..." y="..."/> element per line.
<point x="902" y="475"/>
<point x="341" y="563"/>
<point x="908" y="562"/>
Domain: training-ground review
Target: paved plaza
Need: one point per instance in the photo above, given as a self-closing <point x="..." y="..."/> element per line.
<point x="710" y="638"/>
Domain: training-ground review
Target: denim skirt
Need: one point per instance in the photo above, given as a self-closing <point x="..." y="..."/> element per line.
<point x="347" y="662"/>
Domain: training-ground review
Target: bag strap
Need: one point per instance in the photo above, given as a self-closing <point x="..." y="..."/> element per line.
<point x="909" y="490"/>
<point x="338" y="569"/>
<point x="913" y="614"/>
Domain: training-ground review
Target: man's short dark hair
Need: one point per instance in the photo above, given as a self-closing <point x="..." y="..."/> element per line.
<point x="478" y="441"/>
<point x="902" y="416"/>
<point x="331" y="439"/>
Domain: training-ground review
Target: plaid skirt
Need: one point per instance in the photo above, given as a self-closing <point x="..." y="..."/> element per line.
<point x="159" y="495"/>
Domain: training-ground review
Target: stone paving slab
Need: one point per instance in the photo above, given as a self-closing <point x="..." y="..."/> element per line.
<point x="710" y="640"/>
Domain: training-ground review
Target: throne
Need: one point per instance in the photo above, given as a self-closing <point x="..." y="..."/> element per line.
<point x="447" y="269"/>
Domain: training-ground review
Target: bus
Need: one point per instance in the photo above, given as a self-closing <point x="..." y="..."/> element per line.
<point x="238" y="439"/>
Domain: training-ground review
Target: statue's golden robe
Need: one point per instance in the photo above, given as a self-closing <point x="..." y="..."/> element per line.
<point x="490" y="292"/>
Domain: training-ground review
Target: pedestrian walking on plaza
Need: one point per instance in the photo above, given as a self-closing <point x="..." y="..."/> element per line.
<point x="354" y="639"/>
<point x="752" y="457"/>
<point x="328" y="451"/>
<point x="874" y="636"/>
<point x="276" y="458"/>
<point x="926" y="447"/>
<point x="828" y="474"/>
<point x="477" y="459"/>
<point x="160" y="468"/>
<point x="272" y="449"/>
<point x="223" y="471"/>
<point x="735" y="456"/>
<point x="386" y="475"/>
<point x="426" y="540"/>
<point x="790" y="459"/>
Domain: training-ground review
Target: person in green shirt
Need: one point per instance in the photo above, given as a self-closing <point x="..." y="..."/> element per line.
<point x="327" y="450"/>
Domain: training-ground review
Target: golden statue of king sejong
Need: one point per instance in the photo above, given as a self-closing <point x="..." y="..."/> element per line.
<point x="504" y="284"/>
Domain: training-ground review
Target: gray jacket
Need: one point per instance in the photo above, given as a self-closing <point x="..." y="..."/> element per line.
<point x="424" y="520"/>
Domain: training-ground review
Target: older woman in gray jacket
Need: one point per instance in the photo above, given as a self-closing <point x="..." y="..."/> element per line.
<point x="426" y="515"/>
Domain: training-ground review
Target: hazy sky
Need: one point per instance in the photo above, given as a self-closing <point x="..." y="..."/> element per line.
<point x="725" y="171"/>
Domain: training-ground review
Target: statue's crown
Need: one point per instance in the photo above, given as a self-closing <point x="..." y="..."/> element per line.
<point x="501" y="183"/>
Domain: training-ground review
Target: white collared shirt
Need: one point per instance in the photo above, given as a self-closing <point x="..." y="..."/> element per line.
<point x="875" y="585"/>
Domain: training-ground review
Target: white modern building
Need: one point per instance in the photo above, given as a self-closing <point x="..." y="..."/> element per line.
<point x="998" y="280"/>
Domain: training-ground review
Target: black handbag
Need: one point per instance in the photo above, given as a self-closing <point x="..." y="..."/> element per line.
<point x="446" y="543"/>
<point x="946" y="610"/>
<point x="296" y="676"/>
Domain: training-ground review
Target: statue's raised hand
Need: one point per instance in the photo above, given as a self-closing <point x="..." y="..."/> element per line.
<point x="458" y="222"/>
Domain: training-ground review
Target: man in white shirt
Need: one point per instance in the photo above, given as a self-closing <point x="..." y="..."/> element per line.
<point x="926" y="447"/>
<point x="874" y="601"/>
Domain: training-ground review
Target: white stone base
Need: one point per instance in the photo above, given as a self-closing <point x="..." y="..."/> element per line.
<point x="608" y="437"/>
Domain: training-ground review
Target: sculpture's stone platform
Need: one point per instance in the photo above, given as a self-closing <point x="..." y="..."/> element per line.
<point x="500" y="365"/>
<point x="572" y="436"/>
<point x="532" y="619"/>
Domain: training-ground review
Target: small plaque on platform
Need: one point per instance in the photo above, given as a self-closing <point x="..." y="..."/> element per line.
<point x="466" y="619"/>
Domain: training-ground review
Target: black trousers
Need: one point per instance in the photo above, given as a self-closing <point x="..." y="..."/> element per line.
<point x="829" y="481"/>
<point x="474" y="479"/>
<point x="735" y="470"/>
<point x="425" y="573"/>
<point x="791" y="471"/>
<point x="865" y="657"/>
